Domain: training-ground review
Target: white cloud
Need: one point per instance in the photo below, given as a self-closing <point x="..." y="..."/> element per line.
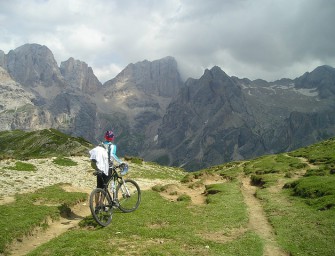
<point x="254" y="39"/>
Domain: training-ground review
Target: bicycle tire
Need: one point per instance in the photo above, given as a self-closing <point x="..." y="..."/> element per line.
<point x="128" y="202"/>
<point x="100" y="209"/>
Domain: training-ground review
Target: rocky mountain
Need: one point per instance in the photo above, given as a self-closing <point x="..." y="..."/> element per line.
<point x="12" y="94"/>
<point x="79" y="76"/>
<point x="49" y="97"/>
<point x="136" y="101"/>
<point x="155" y="115"/>
<point x="218" y="118"/>
<point x="34" y="67"/>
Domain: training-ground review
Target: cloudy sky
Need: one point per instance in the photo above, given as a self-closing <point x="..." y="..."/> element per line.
<point x="268" y="39"/>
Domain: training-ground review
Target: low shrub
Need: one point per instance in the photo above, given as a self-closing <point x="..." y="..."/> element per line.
<point x="22" y="166"/>
<point x="187" y="178"/>
<point x="64" y="161"/>
<point x="184" y="198"/>
<point x="133" y="159"/>
<point x="315" y="172"/>
<point x="158" y="188"/>
<point x="257" y="180"/>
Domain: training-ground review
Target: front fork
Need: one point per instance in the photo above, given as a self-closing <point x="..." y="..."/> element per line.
<point x="124" y="189"/>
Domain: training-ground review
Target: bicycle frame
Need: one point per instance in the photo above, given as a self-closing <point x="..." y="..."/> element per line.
<point x="115" y="181"/>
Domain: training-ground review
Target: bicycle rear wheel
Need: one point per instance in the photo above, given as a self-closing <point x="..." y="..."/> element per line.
<point x="128" y="195"/>
<point x="101" y="207"/>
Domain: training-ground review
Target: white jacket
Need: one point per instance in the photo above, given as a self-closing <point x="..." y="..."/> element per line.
<point x="101" y="156"/>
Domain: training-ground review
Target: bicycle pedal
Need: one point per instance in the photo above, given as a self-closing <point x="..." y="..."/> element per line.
<point x="115" y="203"/>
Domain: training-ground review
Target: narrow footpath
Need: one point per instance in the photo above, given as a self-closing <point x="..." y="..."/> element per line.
<point x="258" y="221"/>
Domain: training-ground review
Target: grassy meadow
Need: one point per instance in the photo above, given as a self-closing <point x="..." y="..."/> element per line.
<point x="296" y="191"/>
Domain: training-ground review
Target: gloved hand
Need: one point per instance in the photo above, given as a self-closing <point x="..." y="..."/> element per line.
<point x="97" y="172"/>
<point x="124" y="168"/>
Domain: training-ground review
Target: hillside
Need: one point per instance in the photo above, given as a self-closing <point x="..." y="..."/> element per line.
<point x="38" y="144"/>
<point x="281" y="204"/>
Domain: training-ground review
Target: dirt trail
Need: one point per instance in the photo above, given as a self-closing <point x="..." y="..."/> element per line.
<point x="258" y="221"/>
<point x="55" y="228"/>
<point x="58" y="227"/>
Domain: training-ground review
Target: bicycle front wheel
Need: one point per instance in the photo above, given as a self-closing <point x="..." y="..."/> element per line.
<point x="128" y="195"/>
<point x="100" y="206"/>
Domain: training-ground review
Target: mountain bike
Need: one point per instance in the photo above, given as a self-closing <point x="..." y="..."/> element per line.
<point x="124" y="194"/>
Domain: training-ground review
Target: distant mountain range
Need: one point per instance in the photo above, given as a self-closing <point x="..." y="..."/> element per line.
<point x="155" y="115"/>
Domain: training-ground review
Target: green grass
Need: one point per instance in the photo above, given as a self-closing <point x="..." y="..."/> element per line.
<point x="32" y="210"/>
<point x="23" y="145"/>
<point x="303" y="213"/>
<point x="318" y="191"/>
<point x="154" y="171"/>
<point x="22" y="166"/>
<point x="266" y="170"/>
<point x="300" y="228"/>
<point x="272" y="164"/>
<point x="322" y="153"/>
<point x="161" y="227"/>
<point x="64" y="161"/>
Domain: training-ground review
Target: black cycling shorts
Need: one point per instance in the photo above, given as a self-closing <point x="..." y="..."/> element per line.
<point x="101" y="180"/>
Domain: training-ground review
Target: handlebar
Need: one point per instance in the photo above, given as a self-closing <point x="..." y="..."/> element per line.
<point x="111" y="167"/>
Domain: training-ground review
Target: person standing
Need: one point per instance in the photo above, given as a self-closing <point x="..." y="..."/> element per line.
<point x="102" y="157"/>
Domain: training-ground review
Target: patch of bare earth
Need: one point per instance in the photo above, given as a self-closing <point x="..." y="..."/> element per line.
<point x="7" y="200"/>
<point x="258" y="221"/>
<point x="195" y="189"/>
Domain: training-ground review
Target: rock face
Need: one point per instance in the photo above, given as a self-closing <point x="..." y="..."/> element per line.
<point x="79" y="76"/>
<point x="12" y="94"/>
<point x="219" y="118"/>
<point x="34" y="67"/>
<point x="137" y="99"/>
<point x="207" y="123"/>
<point x="322" y="79"/>
<point x="201" y="122"/>
<point x="43" y="97"/>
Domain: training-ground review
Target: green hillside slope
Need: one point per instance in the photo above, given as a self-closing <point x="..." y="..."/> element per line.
<point x="37" y="144"/>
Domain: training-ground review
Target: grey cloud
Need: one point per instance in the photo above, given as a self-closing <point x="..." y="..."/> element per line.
<point x="246" y="38"/>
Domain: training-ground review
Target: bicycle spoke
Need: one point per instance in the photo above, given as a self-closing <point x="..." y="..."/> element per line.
<point x="100" y="207"/>
<point x="128" y="195"/>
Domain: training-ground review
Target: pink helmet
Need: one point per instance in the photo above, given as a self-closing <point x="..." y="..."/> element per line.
<point x="109" y="136"/>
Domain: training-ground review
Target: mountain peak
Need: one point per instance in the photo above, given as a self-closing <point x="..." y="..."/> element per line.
<point x="79" y="76"/>
<point x="33" y="65"/>
<point x="322" y="78"/>
<point x="150" y="77"/>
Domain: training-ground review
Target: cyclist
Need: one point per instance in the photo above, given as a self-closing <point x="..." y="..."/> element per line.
<point x="102" y="156"/>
